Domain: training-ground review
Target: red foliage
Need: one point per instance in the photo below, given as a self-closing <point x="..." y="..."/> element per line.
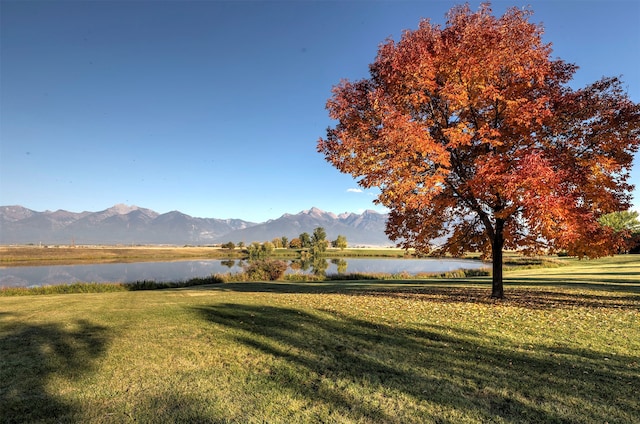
<point x="472" y="134"/>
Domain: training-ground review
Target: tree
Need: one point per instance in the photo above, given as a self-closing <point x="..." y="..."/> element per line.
<point x="255" y="250"/>
<point x="285" y="241"/>
<point x="472" y="135"/>
<point x="267" y="248"/>
<point x="229" y="245"/>
<point x="626" y="224"/>
<point x="319" y="240"/>
<point x="305" y="240"/>
<point x="340" y="242"/>
<point x="295" y="243"/>
<point x="260" y="250"/>
<point x="621" y="221"/>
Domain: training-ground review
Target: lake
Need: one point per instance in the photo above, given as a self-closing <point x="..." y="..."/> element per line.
<point x="31" y="276"/>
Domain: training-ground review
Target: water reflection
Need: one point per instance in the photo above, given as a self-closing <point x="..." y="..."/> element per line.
<point x="229" y="263"/>
<point x="341" y="265"/>
<point x="185" y="270"/>
<point x="309" y="265"/>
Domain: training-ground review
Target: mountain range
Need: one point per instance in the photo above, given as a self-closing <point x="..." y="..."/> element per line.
<point x="123" y="224"/>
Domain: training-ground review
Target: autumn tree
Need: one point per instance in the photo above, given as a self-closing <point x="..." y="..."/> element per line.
<point x="473" y="136"/>
<point x="295" y="243"/>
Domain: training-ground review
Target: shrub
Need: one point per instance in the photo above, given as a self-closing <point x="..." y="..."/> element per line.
<point x="265" y="269"/>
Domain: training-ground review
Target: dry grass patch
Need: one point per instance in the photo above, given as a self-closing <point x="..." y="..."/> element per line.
<point x="34" y="255"/>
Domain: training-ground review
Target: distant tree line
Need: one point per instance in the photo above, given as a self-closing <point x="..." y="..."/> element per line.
<point x="313" y="244"/>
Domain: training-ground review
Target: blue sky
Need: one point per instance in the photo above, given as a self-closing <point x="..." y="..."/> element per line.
<point x="214" y="108"/>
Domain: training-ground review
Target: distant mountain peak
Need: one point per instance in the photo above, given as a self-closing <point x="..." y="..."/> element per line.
<point x="317" y="212"/>
<point x="132" y="224"/>
<point x="360" y="230"/>
<point x="313" y="210"/>
<point x="15" y="213"/>
<point x="122" y="209"/>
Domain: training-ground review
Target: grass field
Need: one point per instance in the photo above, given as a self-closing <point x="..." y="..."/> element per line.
<point x="564" y="347"/>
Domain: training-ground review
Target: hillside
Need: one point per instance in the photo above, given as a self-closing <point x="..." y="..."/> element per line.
<point x="122" y="224"/>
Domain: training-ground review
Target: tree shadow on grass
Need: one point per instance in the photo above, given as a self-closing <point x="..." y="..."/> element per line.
<point x="547" y="296"/>
<point x="537" y="298"/>
<point x="629" y="283"/>
<point x="30" y="355"/>
<point x="371" y="372"/>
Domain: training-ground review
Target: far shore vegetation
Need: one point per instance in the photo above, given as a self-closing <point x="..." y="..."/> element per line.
<point x="305" y="245"/>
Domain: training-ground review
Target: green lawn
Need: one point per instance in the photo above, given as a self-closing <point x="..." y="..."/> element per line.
<point x="563" y="347"/>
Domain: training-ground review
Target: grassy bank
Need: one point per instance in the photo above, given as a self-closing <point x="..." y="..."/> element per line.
<point x="563" y="347"/>
<point x="369" y="252"/>
<point x="63" y="255"/>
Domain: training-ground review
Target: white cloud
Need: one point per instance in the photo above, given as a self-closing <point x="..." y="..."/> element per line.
<point x="354" y="190"/>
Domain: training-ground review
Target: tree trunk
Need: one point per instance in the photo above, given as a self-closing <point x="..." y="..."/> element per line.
<point x="497" y="289"/>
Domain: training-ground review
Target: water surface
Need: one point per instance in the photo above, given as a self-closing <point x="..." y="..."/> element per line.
<point x="31" y="276"/>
